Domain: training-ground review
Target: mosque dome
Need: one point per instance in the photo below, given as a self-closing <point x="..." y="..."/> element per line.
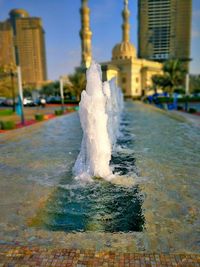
<point x="19" y="13"/>
<point x="123" y="50"/>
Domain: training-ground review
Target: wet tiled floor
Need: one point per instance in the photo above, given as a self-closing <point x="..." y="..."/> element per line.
<point x="171" y="200"/>
<point x="13" y="256"/>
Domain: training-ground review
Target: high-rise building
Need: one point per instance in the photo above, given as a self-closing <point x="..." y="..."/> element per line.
<point x="6" y="44"/>
<point x="22" y="43"/>
<point x="164" y="29"/>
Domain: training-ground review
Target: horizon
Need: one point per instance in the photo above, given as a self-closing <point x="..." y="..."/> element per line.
<point x="61" y="23"/>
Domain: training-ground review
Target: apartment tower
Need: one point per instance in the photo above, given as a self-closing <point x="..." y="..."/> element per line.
<point x="164" y="29"/>
<point x="22" y="37"/>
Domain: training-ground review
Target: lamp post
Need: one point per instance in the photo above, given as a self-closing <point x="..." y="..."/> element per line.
<point x="12" y="75"/>
<point x="9" y="70"/>
<point x="187" y="84"/>
<point x="20" y="94"/>
<point x="187" y="90"/>
<point x="61" y="92"/>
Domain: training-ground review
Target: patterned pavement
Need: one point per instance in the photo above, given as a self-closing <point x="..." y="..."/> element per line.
<point x="20" y="256"/>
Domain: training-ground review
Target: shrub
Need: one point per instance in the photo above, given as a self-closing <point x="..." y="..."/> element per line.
<point x="192" y="110"/>
<point x="6" y="112"/>
<point x="39" y="117"/>
<point x="7" y="125"/>
<point x="165" y="100"/>
<point x="75" y="102"/>
<point x="72" y="108"/>
<point x="69" y="108"/>
<point x="58" y="112"/>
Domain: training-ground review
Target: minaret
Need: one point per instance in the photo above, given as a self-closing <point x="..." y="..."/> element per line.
<point x="85" y="34"/>
<point x="125" y="25"/>
<point x="125" y="49"/>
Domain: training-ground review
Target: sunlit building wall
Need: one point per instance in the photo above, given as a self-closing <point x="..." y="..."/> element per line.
<point x="27" y="44"/>
<point x="6" y="44"/>
<point x="164" y="29"/>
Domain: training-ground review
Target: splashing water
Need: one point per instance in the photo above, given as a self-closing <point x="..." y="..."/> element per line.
<point x="114" y="107"/>
<point x="99" y="111"/>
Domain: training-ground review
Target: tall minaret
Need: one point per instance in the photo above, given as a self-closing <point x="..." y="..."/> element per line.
<point x="85" y="34"/>
<point x="125" y="49"/>
<point x="125" y="25"/>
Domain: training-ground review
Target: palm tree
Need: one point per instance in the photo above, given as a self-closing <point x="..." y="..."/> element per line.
<point x="159" y="81"/>
<point x="51" y="89"/>
<point x="77" y="83"/>
<point x="7" y="85"/>
<point x="174" y="73"/>
<point x="173" y="76"/>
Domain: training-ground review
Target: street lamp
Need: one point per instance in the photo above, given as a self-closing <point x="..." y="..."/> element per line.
<point x="20" y="90"/>
<point x="187" y="90"/>
<point x="12" y="71"/>
<point x="61" y="92"/>
<point x="12" y="75"/>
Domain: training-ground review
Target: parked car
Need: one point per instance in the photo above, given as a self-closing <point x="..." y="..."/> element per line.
<point x="2" y="99"/>
<point x="28" y="101"/>
<point x="53" y="99"/>
<point x="7" y="102"/>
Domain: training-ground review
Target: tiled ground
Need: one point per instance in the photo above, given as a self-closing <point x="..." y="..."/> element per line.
<point x="19" y="256"/>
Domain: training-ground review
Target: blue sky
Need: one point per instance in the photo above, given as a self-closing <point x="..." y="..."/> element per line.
<point x="61" y="21"/>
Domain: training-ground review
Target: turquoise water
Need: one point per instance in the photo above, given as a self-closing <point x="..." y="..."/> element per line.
<point x="98" y="207"/>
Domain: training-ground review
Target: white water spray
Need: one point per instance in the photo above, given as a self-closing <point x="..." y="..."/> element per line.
<point x="99" y="111"/>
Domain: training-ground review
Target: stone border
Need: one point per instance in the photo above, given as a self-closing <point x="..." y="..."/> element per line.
<point x="24" y="256"/>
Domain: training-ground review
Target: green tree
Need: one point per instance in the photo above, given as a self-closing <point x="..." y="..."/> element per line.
<point x="6" y="84"/>
<point x="195" y="83"/>
<point x="51" y="89"/>
<point x="77" y="83"/>
<point x="159" y="81"/>
<point x="173" y="76"/>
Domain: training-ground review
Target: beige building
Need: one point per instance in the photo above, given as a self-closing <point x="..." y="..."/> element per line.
<point x="133" y="75"/>
<point x="164" y="29"/>
<point x="6" y="44"/>
<point x="24" y="36"/>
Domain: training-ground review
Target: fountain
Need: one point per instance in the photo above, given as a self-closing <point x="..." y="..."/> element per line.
<point x="99" y="110"/>
<point x="157" y="212"/>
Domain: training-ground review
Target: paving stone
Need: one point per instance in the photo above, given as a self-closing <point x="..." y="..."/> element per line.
<point x="14" y="256"/>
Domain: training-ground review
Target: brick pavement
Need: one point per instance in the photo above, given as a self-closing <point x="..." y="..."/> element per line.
<point x="21" y="256"/>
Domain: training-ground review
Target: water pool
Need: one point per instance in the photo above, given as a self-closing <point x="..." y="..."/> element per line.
<point x="159" y="212"/>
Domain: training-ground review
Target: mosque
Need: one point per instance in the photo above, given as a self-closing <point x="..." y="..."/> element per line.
<point x="132" y="74"/>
